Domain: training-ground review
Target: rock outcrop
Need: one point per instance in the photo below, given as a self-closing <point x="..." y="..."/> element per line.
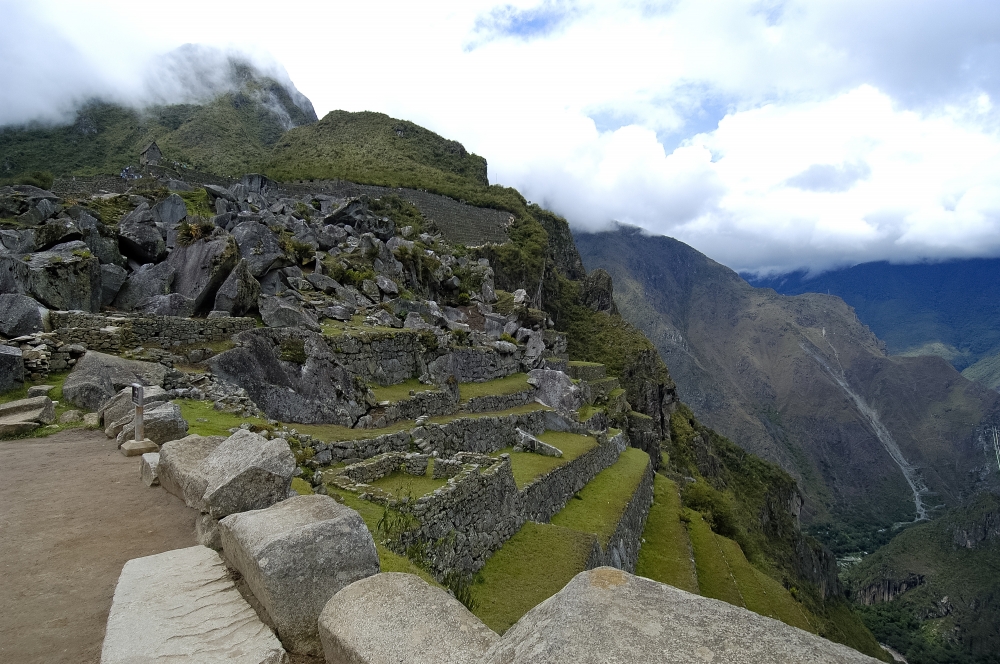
<point x="24" y="415"/>
<point x="247" y="472"/>
<point x="181" y="470"/>
<point x="20" y="315"/>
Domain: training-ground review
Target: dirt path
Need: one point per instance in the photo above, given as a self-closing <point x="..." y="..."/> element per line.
<point x="72" y="512"/>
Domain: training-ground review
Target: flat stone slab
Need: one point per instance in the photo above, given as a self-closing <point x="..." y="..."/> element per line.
<point x="132" y="448"/>
<point x="394" y="618"/>
<point x="606" y="615"/>
<point x="179" y="606"/>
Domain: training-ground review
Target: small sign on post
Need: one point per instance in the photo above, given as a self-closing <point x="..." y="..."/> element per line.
<point x="137" y="399"/>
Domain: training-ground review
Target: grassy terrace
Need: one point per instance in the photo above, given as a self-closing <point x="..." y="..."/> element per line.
<point x="56" y="380"/>
<point x="527" y="466"/>
<point x="401" y="485"/>
<point x="512" y="384"/>
<point x="531" y="566"/>
<point x="665" y="555"/>
<point x="204" y="420"/>
<point x="400" y="391"/>
<point x="600" y="504"/>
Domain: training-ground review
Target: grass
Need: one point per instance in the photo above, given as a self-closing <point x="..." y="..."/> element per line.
<point x="536" y="563"/>
<point x="600" y="504"/>
<point x="512" y="384"/>
<point x="401" y="485"/>
<point x="527" y="466"/>
<point x="301" y="487"/>
<point x="714" y="577"/>
<point x="665" y="555"/>
<point x="581" y="363"/>
<point x="400" y="391"/>
<point x="761" y="593"/>
<point x="56" y="380"/>
<point x="204" y="420"/>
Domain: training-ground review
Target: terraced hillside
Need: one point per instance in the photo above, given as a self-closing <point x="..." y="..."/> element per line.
<point x="490" y="416"/>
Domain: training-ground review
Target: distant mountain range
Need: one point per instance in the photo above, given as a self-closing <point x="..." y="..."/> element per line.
<point x="949" y="309"/>
<point x="800" y="380"/>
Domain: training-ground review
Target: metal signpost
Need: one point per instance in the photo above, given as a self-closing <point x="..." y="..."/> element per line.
<point x="137" y="399"/>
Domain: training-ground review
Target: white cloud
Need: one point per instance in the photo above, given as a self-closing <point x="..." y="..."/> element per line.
<point x="770" y="135"/>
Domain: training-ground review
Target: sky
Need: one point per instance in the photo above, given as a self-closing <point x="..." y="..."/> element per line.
<point x="771" y="135"/>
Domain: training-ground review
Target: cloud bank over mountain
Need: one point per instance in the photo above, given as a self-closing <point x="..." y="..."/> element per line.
<point x="770" y="135"/>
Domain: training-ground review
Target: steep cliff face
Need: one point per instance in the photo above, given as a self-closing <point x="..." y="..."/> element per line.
<point x="800" y="381"/>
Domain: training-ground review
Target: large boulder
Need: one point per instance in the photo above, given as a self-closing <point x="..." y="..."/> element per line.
<point x="182" y="606"/>
<point x="239" y="292"/>
<point x="292" y="376"/>
<point x="112" y="279"/>
<point x="11" y="368"/>
<point x="174" y="304"/>
<point x="392" y="618"/>
<point x="181" y="469"/>
<point x="295" y="556"/>
<point x="606" y="615"/>
<point x="67" y="276"/>
<point x="139" y="238"/>
<point x="247" y="472"/>
<point x="279" y="312"/>
<point x="97" y="377"/>
<point x="103" y="242"/>
<point x="202" y="266"/>
<point x="148" y="281"/>
<point x="259" y="247"/>
<point x="557" y="390"/>
<point x="21" y="315"/>
<point x="160" y="425"/>
<point x="56" y="231"/>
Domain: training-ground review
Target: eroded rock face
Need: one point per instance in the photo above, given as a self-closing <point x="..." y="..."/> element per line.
<point x="598" y="292"/>
<point x="112" y="279"/>
<point x="606" y="615"/>
<point x="182" y="606"/>
<point x="20" y="314"/>
<point x="428" y="626"/>
<point x="295" y="556"/>
<point x="97" y="377"/>
<point x="292" y="376"/>
<point x="174" y="304"/>
<point x="247" y="472"/>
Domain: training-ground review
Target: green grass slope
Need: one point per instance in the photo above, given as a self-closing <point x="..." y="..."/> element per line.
<point x="666" y="554"/>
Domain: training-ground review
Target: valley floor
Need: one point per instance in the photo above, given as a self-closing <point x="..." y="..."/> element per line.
<point x="74" y="511"/>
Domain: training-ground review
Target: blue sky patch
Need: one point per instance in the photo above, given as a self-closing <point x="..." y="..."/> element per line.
<point x="509" y="21"/>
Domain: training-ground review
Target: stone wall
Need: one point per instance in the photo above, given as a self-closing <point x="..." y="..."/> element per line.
<point x="492" y="403"/>
<point x="622" y="549"/>
<point x="477" y="434"/>
<point x="545" y="496"/>
<point x="430" y="402"/>
<point x="115" y="333"/>
<point x="477" y="364"/>
<point x="386" y="358"/>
